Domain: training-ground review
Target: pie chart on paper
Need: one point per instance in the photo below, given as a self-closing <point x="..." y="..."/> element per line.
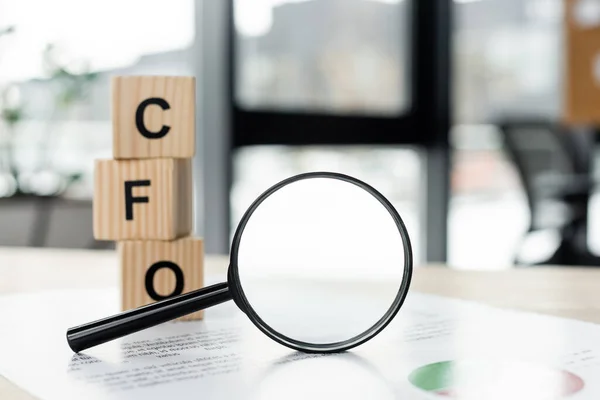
<point x="495" y="380"/>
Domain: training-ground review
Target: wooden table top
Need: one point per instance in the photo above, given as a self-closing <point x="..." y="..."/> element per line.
<point x="567" y="292"/>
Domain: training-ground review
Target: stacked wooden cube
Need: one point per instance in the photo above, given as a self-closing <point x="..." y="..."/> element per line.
<point x="143" y="198"/>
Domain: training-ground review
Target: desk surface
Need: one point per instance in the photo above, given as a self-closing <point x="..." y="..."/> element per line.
<point x="566" y="292"/>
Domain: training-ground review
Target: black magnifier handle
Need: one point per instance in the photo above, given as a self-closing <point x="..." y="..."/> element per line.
<point x="94" y="333"/>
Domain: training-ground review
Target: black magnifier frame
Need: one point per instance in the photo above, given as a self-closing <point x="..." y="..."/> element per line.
<point x="91" y="334"/>
<point x="306" y="347"/>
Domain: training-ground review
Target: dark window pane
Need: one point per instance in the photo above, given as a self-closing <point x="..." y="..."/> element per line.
<point x="507" y="58"/>
<point x="338" y="56"/>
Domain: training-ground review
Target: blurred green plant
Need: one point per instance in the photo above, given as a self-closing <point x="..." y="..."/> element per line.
<point x="72" y="87"/>
<point x="6" y="30"/>
<point x="69" y="88"/>
<point x="10" y="112"/>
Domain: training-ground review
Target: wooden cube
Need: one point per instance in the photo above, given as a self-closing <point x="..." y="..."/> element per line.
<point x="155" y="270"/>
<point x="153" y="116"/>
<point x="143" y="199"/>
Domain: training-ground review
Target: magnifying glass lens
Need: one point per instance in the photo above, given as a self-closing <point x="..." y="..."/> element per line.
<point x="321" y="262"/>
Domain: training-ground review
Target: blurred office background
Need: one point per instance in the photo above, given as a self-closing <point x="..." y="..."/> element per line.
<point x="434" y="102"/>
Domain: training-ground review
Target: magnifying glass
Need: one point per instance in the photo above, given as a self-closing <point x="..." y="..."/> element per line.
<point x="320" y="262"/>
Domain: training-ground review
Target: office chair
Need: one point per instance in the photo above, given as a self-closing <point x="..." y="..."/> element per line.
<point x="553" y="163"/>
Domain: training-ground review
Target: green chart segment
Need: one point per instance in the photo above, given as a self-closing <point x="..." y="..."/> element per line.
<point x="451" y="378"/>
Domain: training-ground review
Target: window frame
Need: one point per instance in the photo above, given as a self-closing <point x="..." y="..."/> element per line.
<point x="428" y="93"/>
<point x="425" y="122"/>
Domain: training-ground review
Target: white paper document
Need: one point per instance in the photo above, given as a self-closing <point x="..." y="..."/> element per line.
<point x="435" y="348"/>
